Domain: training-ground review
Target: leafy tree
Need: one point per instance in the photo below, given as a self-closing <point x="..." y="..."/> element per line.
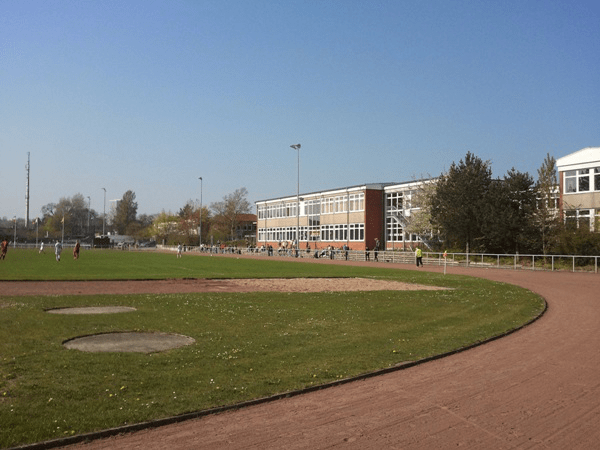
<point x="125" y="213"/>
<point x="228" y="210"/>
<point x="459" y="202"/>
<point x="164" y="226"/>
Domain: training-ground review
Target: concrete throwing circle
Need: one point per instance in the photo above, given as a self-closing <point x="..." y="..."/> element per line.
<point x="129" y="342"/>
<point x="92" y="310"/>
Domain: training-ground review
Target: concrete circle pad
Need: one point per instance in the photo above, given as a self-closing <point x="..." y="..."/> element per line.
<point x="129" y="342"/>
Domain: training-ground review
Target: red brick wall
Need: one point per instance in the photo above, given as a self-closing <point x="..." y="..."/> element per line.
<point x="374" y="218"/>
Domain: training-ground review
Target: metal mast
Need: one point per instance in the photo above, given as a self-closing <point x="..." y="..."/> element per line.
<point x="27" y="195"/>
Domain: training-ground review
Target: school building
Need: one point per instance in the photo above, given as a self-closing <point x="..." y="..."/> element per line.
<point x="356" y="216"/>
<point x="579" y="184"/>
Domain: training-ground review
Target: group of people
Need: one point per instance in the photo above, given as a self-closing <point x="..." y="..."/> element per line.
<point x="58" y="250"/>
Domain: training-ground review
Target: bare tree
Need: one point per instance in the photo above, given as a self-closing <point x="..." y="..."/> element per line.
<point x="229" y="209"/>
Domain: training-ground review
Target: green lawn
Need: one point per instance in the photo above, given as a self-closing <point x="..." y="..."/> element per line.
<point x="247" y="345"/>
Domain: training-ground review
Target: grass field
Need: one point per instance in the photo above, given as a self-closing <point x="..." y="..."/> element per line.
<point x="247" y="345"/>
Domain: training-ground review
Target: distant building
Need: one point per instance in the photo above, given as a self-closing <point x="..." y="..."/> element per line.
<point x="579" y="184"/>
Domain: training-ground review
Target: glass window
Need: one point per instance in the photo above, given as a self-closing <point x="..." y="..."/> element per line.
<point x="597" y="179"/>
<point x="584" y="180"/>
<point x="571" y="181"/>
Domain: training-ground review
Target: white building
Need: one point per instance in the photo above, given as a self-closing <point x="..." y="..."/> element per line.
<point x="579" y="181"/>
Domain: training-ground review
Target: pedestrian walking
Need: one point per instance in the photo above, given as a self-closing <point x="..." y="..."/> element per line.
<point x="419" y="256"/>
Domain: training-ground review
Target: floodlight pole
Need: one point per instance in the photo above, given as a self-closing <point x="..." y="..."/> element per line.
<point x="297" y="148"/>
<point x="104" y="215"/>
<point x="200" y="217"/>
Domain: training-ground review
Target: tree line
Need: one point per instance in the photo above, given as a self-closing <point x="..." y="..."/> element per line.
<point x="73" y="218"/>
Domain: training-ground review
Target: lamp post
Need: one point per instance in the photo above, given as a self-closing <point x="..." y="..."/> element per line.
<point x="15" y="239"/>
<point x="89" y="208"/>
<point x="200" y="217"/>
<point x="297" y="148"/>
<point x="104" y="215"/>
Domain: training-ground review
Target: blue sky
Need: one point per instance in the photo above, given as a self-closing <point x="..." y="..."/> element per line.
<point x="150" y="95"/>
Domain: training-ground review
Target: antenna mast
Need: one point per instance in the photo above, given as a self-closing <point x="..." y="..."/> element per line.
<point x="27" y="194"/>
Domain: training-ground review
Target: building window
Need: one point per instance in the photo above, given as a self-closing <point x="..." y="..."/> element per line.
<point x="583" y="176"/>
<point x="357" y="231"/>
<point x="578" y="218"/>
<point x="394" y="202"/>
<point x="581" y="180"/>
<point x="394" y="230"/>
<point x="571" y="181"/>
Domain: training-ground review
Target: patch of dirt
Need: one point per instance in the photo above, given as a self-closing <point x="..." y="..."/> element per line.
<point x="21" y="288"/>
<point x="129" y="342"/>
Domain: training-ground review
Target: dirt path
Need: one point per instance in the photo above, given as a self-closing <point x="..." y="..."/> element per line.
<point x="537" y="388"/>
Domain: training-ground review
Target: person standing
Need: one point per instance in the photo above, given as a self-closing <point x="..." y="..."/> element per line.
<point x="179" y="250"/>
<point x="57" y="250"/>
<point x="42" y="247"/>
<point x="367" y="254"/>
<point x="419" y="256"/>
<point x="376" y="249"/>
<point x="346" y="251"/>
<point x="3" y="249"/>
<point x="76" y="250"/>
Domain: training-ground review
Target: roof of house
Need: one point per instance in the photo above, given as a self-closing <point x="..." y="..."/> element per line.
<point x="586" y="157"/>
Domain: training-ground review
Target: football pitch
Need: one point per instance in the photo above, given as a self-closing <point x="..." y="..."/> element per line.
<point x="247" y="345"/>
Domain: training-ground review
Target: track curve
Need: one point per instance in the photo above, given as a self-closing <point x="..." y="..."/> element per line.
<point x="537" y="388"/>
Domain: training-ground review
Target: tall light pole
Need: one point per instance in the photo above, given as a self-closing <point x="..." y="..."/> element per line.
<point x="200" y="218"/>
<point x="104" y="215"/>
<point x="89" y="208"/>
<point x="15" y="239"/>
<point x="297" y="148"/>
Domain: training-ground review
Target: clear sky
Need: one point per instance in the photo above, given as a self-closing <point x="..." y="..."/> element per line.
<point x="148" y="95"/>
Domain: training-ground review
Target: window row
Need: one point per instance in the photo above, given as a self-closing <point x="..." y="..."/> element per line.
<point x="582" y="180"/>
<point x="331" y="233"/>
<point x="328" y="205"/>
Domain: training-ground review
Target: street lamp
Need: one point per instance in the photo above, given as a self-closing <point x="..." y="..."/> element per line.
<point x="104" y="215"/>
<point x="89" y="208"/>
<point x="200" y="218"/>
<point x="297" y="148"/>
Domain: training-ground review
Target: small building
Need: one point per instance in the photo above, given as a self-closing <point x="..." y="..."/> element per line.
<point x="579" y="185"/>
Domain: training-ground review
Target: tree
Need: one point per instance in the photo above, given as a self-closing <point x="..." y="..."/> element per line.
<point x="546" y="216"/>
<point x="419" y="222"/>
<point x="125" y="213"/>
<point x="164" y="226"/>
<point x="227" y="211"/>
<point x="73" y="210"/>
<point x="507" y="221"/>
<point x="458" y="205"/>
